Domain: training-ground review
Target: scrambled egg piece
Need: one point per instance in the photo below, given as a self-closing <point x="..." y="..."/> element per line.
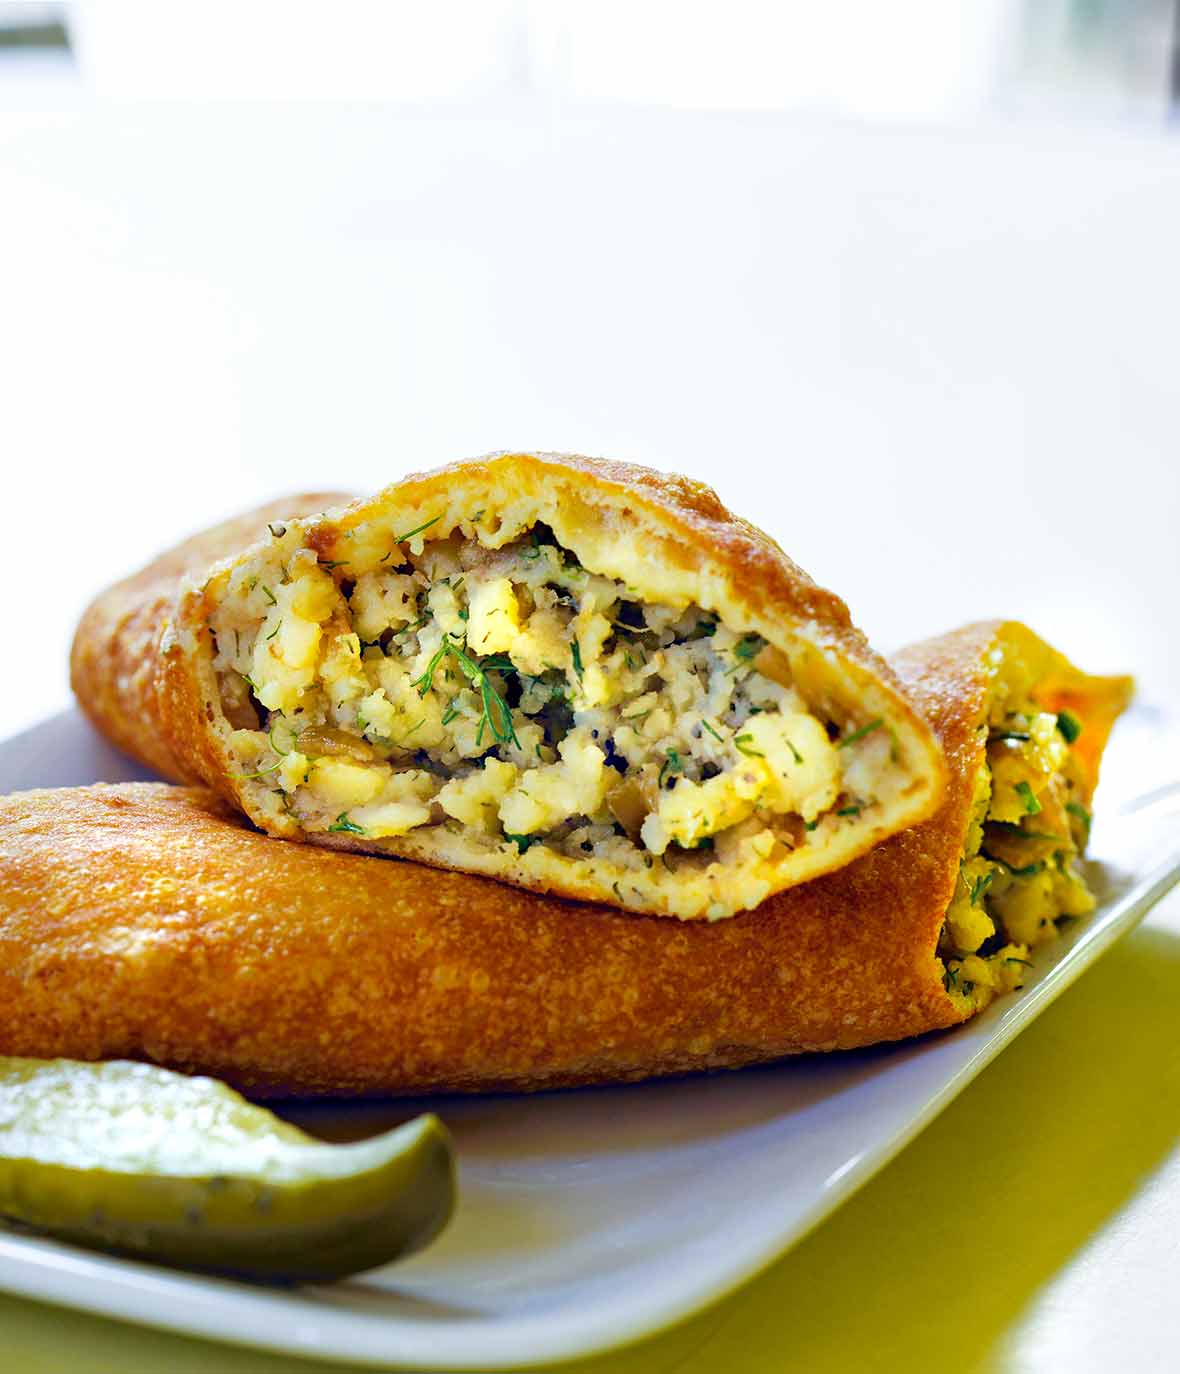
<point x="576" y="786"/>
<point x="475" y="800"/>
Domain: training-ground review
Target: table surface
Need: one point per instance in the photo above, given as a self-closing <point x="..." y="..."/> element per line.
<point x="937" y="364"/>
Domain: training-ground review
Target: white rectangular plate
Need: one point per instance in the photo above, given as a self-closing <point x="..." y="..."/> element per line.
<point x="588" y="1219"/>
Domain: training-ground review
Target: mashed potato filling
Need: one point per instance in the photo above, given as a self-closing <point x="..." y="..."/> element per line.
<point x="510" y="695"/>
<point x="1018" y="883"/>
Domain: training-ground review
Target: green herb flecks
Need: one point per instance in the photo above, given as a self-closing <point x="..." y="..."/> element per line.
<point x="749" y="647"/>
<point x="576" y="655"/>
<point x="706" y="726"/>
<point x="980" y="886"/>
<point x="450" y="713"/>
<point x="952" y="984"/>
<point x="1077" y="809"/>
<point x="262" y="772"/>
<point x="1013" y="831"/>
<point x="859" y="734"/>
<point x="496" y="714"/>
<point x="671" y="766"/>
<point x="409" y="534"/>
<point x="743" y="744"/>
<point x="343" y="826"/>
<point x="1012" y="959"/>
<point x="522" y="842"/>
<point x="274" y="745"/>
<point x="849" y="811"/>
<point x="1028" y="871"/>
<point x="1024" y="791"/>
<point x="414" y="625"/>
<point x="270" y="596"/>
<point x="1069" y="725"/>
<point x="426" y="681"/>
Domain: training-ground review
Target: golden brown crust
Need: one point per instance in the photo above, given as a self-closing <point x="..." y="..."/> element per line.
<point x="115" y="663"/>
<point x="146" y="921"/>
<point x="157" y="696"/>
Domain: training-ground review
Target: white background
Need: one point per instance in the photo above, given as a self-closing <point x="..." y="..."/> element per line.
<point x="939" y="366"/>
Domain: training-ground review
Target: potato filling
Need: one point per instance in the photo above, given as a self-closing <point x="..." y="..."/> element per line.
<point x="1018" y="884"/>
<point x="513" y="694"/>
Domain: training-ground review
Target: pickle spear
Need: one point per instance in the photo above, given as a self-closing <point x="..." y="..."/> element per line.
<point x="134" y="1159"/>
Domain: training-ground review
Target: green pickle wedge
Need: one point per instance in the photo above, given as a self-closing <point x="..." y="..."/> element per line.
<point x="134" y="1159"/>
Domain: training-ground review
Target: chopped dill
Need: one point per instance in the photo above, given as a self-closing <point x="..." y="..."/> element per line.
<point x="409" y="534"/>
<point x="522" y="842"/>
<point x="1014" y="832"/>
<point x="1024" y="791"/>
<point x="859" y="734"/>
<point x="496" y="714"/>
<point x="980" y="886"/>
<point x="742" y="743"/>
<point x="262" y="772"/>
<point x="271" y="736"/>
<point x="275" y="631"/>
<point x="342" y="825"/>
<point x="849" y="811"/>
<point x="270" y="596"/>
<point x="671" y="765"/>
<point x="705" y="725"/>
<point x="1069" y="725"/>
<point x="576" y="655"/>
<point x="426" y="681"/>
<point x="415" y="625"/>
<point x="450" y="713"/>
<point x="1028" y="871"/>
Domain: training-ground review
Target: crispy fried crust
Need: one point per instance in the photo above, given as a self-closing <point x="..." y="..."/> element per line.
<point x="142" y="920"/>
<point x="115" y="662"/>
<point x="146" y="675"/>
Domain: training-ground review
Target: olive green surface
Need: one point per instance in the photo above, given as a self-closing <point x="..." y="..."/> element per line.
<point x="131" y="1158"/>
<point x="976" y="1249"/>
